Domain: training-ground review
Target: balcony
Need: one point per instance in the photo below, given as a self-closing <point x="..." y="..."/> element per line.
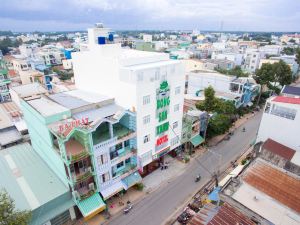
<point x="119" y="131"/>
<point x="75" y="151"/>
<point x="84" y="189"/>
<point x="122" y="154"/>
<point x="83" y="175"/>
<point x="128" y="169"/>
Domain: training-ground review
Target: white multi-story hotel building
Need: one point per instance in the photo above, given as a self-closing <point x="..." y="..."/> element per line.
<point x="147" y="83"/>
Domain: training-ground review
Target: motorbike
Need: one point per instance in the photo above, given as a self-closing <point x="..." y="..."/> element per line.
<point x="128" y="207"/>
<point x="244" y="129"/>
<point x="198" y="178"/>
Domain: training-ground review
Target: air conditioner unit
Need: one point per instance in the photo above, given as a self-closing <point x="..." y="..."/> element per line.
<point x="92" y="186"/>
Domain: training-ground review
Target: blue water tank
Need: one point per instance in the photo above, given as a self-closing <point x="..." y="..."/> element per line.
<point x="101" y="40"/>
<point x="111" y="37"/>
<point x="68" y="54"/>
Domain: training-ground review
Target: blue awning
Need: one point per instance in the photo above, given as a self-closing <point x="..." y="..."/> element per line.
<point x="214" y="195"/>
<point x="131" y="180"/>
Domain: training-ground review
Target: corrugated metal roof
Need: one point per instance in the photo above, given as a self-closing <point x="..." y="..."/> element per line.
<point x="100" y="113"/>
<point x="12" y="109"/>
<point x="278" y="149"/>
<point x="275" y="183"/>
<point x="29" y="90"/>
<point x="290" y="90"/>
<point x="223" y="215"/>
<point x="77" y="98"/>
<point x="27" y="178"/>
<point x="9" y="135"/>
<point x="91" y="204"/>
<point x="46" y="106"/>
<point x="289" y="100"/>
<point x="5" y="120"/>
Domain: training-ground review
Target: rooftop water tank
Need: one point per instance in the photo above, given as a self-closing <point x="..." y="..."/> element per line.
<point x="111" y="37"/>
<point x="101" y="40"/>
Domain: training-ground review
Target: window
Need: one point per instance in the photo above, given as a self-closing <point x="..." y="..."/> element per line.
<point x="127" y="161"/>
<point x="126" y="143"/>
<point x="177" y="90"/>
<point x="147" y="138"/>
<point x="104" y="177"/>
<point x="120" y="164"/>
<point x="174" y="141"/>
<point x="176" y="107"/>
<point x="284" y="112"/>
<point x="146" y="119"/>
<point x="146" y="99"/>
<point x="175" y="124"/>
<point x="102" y="159"/>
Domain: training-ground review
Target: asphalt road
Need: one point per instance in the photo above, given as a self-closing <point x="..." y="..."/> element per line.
<point x="160" y="204"/>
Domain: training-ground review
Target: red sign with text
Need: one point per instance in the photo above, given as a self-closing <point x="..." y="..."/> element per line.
<point x="72" y="124"/>
<point x="161" y="140"/>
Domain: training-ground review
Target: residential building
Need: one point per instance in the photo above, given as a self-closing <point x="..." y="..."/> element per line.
<point x="212" y="64"/>
<point x="280" y="121"/>
<point x="270" y="50"/>
<point x="252" y="60"/>
<point x="236" y="58"/>
<point x="88" y="141"/>
<point x="147" y="83"/>
<point x="4" y="82"/>
<point x="194" y="125"/>
<point x="280" y="155"/>
<point x="269" y="191"/>
<point x="241" y="91"/>
<point x="33" y="186"/>
<point x="147" y="37"/>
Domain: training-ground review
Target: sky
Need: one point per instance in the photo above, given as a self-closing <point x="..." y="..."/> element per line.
<point x="67" y="15"/>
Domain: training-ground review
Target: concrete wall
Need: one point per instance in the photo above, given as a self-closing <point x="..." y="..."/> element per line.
<point x="42" y="141"/>
<point x="281" y="129"/>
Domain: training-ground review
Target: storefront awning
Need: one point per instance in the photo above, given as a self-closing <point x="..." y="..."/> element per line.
<point x="91" y="206"/>
<point x="197" y="140"/>
<point x="111" y="190"/>
<point x="131" y="180"/>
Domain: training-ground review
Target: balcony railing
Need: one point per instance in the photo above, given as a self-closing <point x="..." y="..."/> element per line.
<point x="85" y="174"/>
<point x="76" y="157"/>
<point x="124" y="172"/>
<point x="84" y="192"/>
<point x="125" y="154"/>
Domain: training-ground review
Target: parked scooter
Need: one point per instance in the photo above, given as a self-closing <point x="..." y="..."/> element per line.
<point x="128" y="207"/>
<point x="244" y="129"/>
<point x="198" y="178"/>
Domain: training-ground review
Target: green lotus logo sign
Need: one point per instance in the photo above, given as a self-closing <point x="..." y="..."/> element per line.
<point x="164" y="86"/>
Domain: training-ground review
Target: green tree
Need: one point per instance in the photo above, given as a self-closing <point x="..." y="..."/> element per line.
<point x="282" y="73"/>
<point x="288" y="51"/>
<point x="264" y="76"/>
<point x="8" y="214"/>
<point x="218" y="124"/>
<point x="209" y="102"/>
<point x="225" y="107"/>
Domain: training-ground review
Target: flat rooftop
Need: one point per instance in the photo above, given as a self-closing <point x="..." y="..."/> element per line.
<point x="29" y="90"/>
<point x="47" y="107"/>
<point x="5" y="120"/>
<point x="152" y="64"/>
<point x="77" y="98"/>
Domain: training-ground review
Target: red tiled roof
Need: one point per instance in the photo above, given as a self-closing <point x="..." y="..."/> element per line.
<point x="275" y="183"/>
<point x="285" y="99"/>
<point x="224" y="215"/>
<point x="278" y="149"/>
